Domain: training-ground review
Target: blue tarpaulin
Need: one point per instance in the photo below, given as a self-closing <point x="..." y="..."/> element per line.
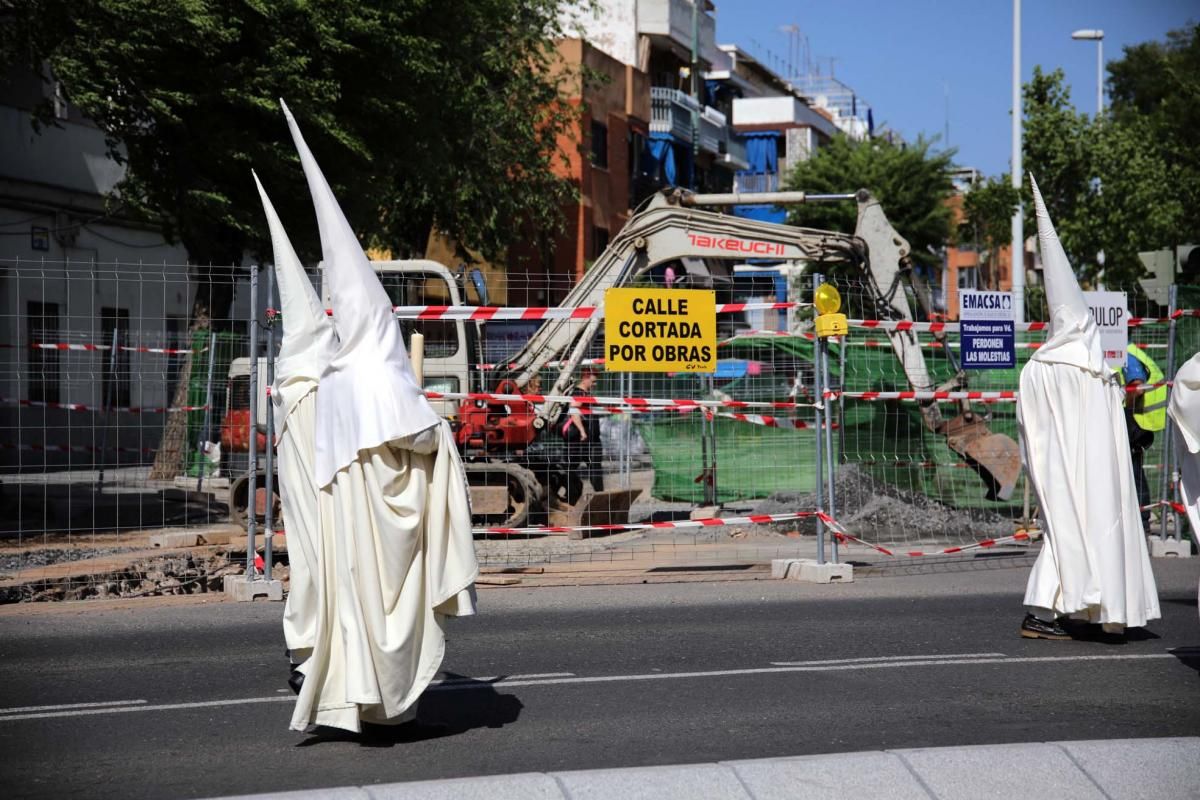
<point x="663" y="154"/>
<point x="762" y="153"/>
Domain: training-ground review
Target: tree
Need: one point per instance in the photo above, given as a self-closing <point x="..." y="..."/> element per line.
<point x="418" y="111"/>
<point x="911" y="181"/>
<point x="1110" y="185"/>
<point x="416" y="114"/>
<point x="987" y="220"/>
<point x="1157" y="85"/>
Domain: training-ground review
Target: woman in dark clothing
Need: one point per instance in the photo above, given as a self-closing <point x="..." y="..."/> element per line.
<point x="585" y="451"/>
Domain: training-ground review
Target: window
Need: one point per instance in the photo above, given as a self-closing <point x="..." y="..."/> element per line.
<point x="599" y="242"/>
<point x="42" y="319"/>
<point x="115" y="371"/>
<point x="423" y="289"/>
<point x="599" y="145"/>
<point x="968" y="277"/>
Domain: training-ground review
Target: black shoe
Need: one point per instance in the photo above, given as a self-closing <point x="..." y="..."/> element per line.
<point x="296" y="680"/>
<point x="1034" y="628"/>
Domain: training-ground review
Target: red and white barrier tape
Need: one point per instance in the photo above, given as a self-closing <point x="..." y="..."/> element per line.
<point x="842" y="536"/>
<point x="983" y="397"/>
<point x="641" y="403"/>
<point x="953" y="327"/>
<point x="920" y="396"/>
<point x="711" y="522"/>
<point x="1178" y="508"/>
<point x="81" y="407"/>
<point x="79" y="448"/>
<point x="167" y="351"/>
<point x="553" y="312"/>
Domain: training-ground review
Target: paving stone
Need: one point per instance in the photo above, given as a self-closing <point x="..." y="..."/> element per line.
<point x="863" y="776"/>
<point x="1003" y="772"/>
<point x="523" y="786"/>
<point x="1165" y="767"/>
<point x="684" y="782"/>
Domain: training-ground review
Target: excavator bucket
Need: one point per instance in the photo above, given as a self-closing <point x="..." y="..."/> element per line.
<point x="994" y="456"/>
<point x="610" y="507"/>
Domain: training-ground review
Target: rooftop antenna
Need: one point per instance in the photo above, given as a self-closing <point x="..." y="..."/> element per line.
<point x="946" y="88"/>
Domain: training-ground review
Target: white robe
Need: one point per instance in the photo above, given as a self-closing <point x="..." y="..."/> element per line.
<point x="1094" y="563"/>
<point x="298" y="492"/>
<point x="395" y="557"/>
<point x="1184" y="409"/>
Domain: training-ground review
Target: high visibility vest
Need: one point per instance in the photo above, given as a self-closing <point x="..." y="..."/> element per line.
<point x="1151" y="412"/>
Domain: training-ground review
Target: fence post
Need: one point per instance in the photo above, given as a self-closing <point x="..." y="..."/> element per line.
<point x="817" y="410"/>
<point x="252" y="483"/>
<point x="208" y="400"/>
<point x="828" y="433"/>
<point x="269" y="522"/>
<point x="109" y="388"/>
<point x="1167" y="479"/>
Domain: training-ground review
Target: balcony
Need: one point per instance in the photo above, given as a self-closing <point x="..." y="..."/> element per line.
<point x="671" y="21"/>
<point x="671" y="112"/>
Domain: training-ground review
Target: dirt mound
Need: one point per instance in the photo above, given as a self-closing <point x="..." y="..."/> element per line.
<point x="879" y="512"/>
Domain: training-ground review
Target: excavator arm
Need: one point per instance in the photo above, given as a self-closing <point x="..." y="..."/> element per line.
<point x="666" y="230"/>
<point x="675" y="226"/>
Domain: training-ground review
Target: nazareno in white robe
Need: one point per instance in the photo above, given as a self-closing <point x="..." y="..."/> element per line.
<point x="391" y="575"/>
<point x="1184" y="409"/>
<point x="1094" y="564"/>
<point x="396" y="554"/>
<point x="307" y="344"/>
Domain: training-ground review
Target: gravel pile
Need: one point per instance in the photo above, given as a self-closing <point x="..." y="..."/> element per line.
<point x="14" y="562"/>
<point x="882" y="513"/>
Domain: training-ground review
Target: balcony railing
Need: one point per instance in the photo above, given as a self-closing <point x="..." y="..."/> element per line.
<point x="671" y="112"/>
<point x="758" y="182"/>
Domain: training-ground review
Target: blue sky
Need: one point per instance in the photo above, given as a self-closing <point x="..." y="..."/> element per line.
<point x="903" y="56"/>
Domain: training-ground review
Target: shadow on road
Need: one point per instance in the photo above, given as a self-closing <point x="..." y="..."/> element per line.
<point x="470" y="704"/>
<point x="1188" y="656"/>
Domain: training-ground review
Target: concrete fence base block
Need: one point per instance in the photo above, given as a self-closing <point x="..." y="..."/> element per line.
<point x="1169" y="548"/>
<point x="244" y="589"/>
<point x="809" y="571"/>
<point x="171" y="540"/>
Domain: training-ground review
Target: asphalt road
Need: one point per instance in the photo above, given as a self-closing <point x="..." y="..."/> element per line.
<point x="588" y="677"/>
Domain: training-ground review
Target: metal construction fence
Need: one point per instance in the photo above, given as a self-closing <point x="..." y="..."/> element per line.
<point x="124" y="412"/>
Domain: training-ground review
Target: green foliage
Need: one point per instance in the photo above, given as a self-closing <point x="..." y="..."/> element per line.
<point x="1115" y="185"/>
<point x="911" y="181"/>
<point x="417" y="110"/>
<point x="1155" y="88"/>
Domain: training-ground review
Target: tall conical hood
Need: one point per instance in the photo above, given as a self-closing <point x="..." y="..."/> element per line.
<point x="1074" y="338"/>
<point x="308" y="338"/>
<point x="369" y="395"/>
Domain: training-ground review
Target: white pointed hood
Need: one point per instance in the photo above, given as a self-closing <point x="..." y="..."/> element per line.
<point x="1074" y="337"/>
<point x="308" y="338"/>
<point x="369" y="394"/>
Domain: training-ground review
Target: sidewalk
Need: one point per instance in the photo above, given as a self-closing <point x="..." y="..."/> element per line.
<point x="1116" y="769"/>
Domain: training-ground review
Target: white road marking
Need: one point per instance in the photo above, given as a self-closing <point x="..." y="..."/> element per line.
<point x="65" y="706"/>
<point x="85" y="712"/>
<point x="884" y="658"/>
<point x="495" y="678"/>
<point x="477" y="683"/>
<point x="811" y="668"/>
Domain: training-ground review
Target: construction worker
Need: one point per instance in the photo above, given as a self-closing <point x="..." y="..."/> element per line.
<point x="1145" y="413"/>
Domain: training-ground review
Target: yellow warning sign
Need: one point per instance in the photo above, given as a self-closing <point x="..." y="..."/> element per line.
<point x="660" y="330"/>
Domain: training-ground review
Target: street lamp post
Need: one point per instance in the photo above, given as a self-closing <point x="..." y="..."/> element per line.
<point x="1097" y="36"/>
<point x="1018" y="219"/>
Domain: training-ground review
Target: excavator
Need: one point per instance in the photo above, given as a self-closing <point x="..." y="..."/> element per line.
<point x="516" y="471"/>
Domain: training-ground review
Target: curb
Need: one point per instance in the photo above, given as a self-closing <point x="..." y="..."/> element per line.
<point x="1115" y="769"/>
